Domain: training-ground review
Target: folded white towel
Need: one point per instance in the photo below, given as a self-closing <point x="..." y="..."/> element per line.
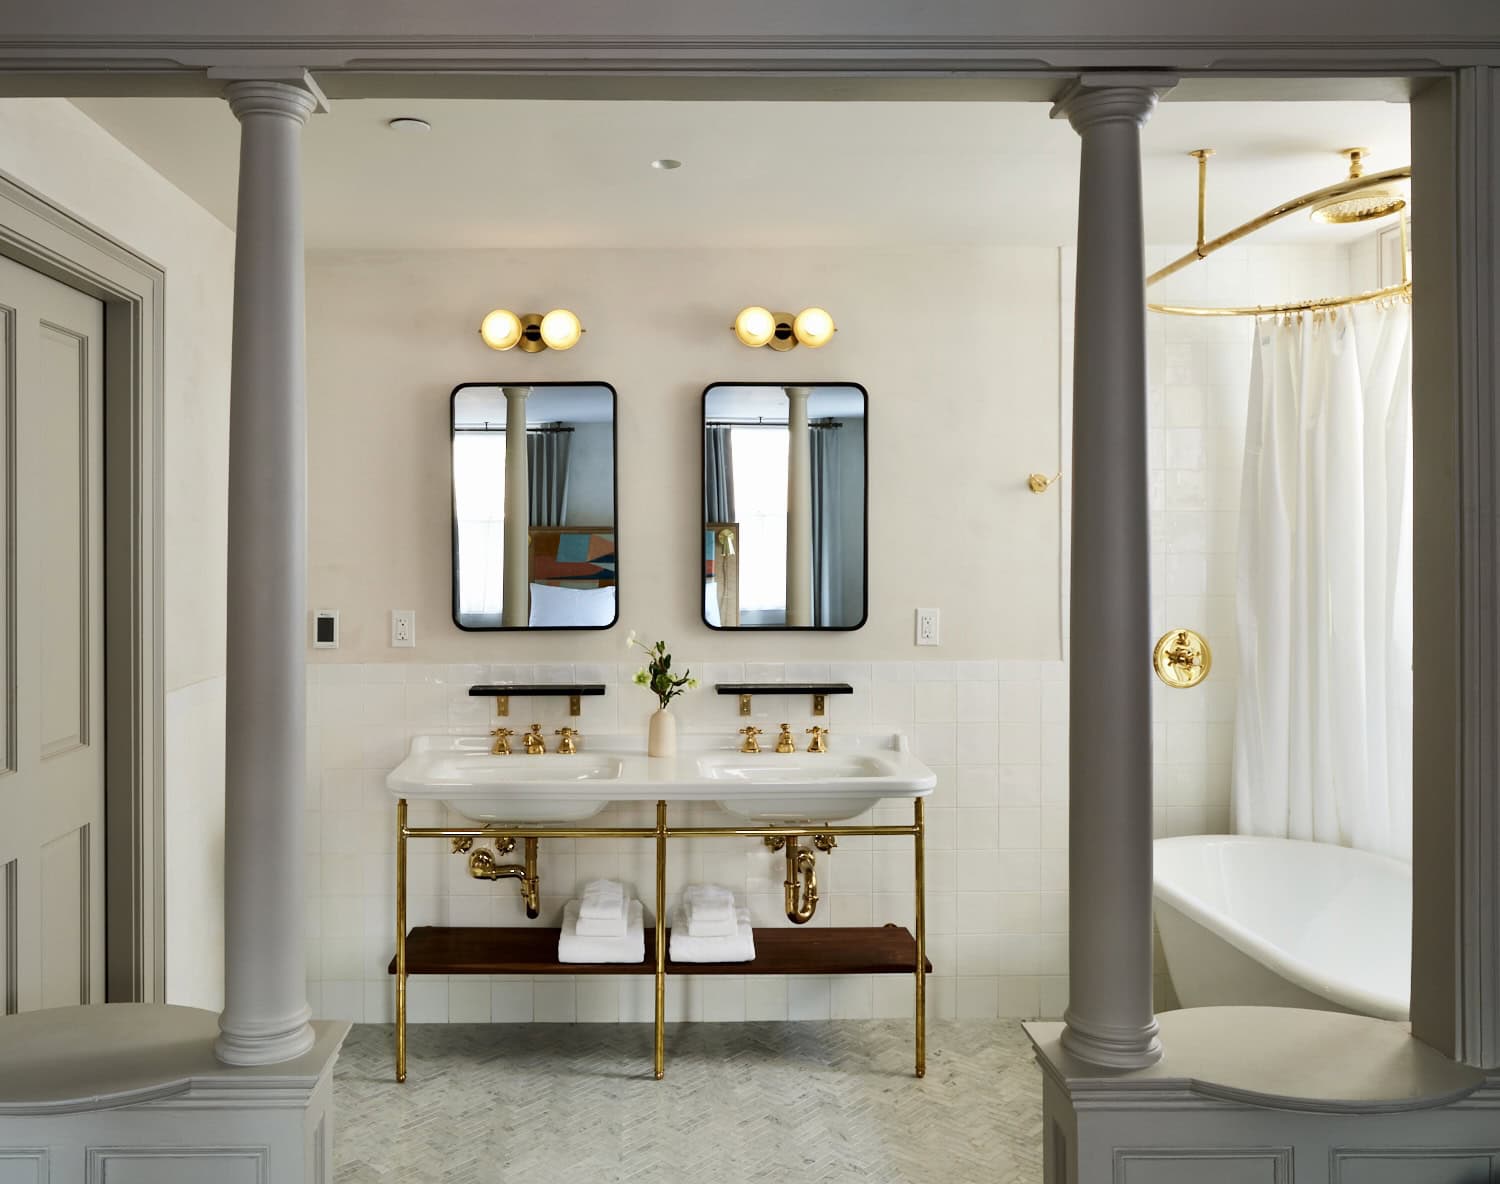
<point x="603" y="926"/>
<point x="604" y="899"/>
<point x="709" y="902"/>
<point x="711" y="926"/>
<point x="738" y="948"/>
<point x="575" y="947"/>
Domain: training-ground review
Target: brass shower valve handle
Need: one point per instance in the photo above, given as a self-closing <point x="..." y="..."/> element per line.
<point x="752" y="741"/>
<point x="535" y="744"/>
<point x="819" y="741"/>
<point x="501" y="746"/>
<point x="568" y="745"/>
<point x="784" y="742"/>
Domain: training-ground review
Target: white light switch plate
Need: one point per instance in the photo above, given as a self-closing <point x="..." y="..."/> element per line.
<point x="927" y="626"/>
<point x="403" y="627"/>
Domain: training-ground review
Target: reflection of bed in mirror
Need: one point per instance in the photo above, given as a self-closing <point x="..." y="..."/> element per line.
<point x="784" y="496"/>
<point x="572" y="576"/>
<point x="534" y="534"/>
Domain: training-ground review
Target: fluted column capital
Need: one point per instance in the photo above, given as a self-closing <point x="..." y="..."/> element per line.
<point x="1090" y="100"/>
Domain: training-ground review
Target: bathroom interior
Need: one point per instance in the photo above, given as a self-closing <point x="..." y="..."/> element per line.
<point x="849" y="523"/>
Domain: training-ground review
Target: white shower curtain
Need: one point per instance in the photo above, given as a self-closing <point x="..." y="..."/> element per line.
<point x="1323" y="716"/>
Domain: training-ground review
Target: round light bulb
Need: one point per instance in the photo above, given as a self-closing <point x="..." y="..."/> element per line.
<point x="813" y="327"/>
<point x="754" y="326"/>
<point x="500" y="329"/>
<point x="561" y="329"/>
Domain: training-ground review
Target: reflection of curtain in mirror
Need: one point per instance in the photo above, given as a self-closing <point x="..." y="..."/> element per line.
<point x="827" y="529"/>
<point x="547" y="457"/>
<point x="479" y="511"/>
<point x="718" y="508"/>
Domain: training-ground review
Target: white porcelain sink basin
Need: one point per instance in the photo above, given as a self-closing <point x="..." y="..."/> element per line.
<point x="463" y="772"/>
<point x="790" y="769"/>
<point x="764" y="788"/>
<point x="794" y="781"/>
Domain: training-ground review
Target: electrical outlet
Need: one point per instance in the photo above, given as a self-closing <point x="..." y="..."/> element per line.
<point x="403" y="626"/>
<point x="927" y="626"/>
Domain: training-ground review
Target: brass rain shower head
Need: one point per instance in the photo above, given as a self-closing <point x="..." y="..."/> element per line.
<point x="1362" y="205"/>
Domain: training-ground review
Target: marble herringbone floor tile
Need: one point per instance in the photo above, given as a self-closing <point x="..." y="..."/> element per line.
<point x="821" y="1103"/>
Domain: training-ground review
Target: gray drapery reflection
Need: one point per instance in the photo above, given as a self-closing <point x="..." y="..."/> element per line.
<point x="827" y="529"/>
<point x="718" y="474"/>
<point x="547" y="465"/>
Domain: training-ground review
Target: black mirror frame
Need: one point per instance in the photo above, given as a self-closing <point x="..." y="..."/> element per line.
<point x="864" y="615"/>
<point x="614" y="443"/>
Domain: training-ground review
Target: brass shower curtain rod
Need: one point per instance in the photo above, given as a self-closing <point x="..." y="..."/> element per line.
<point x="1356" y="183"/>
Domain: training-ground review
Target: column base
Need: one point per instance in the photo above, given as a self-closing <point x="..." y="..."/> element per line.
<point x="1111" y="1048"/>
<point x="1263" y="1095"/>
<point x="132" y="1091"/>
<point x="266" y="1043"/>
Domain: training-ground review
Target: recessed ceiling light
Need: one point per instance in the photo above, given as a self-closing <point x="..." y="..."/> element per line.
<point x="408" y="123"/>
<point x="666" y="164"/>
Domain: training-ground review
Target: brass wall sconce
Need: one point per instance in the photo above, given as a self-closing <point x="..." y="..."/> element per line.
<point x="1040" y="482"/>
<point x="1182" y="658"/>
<point x="559" y="329"/>
<point x="756" y="326"/>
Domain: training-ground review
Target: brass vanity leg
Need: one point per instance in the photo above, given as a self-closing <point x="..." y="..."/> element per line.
<point x="661" y="940"/>
<point x="920" y="859"/>
<point x="401" y="940"/>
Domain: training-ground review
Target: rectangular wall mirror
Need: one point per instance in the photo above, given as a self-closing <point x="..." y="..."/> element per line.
<point x="534" y="525"/>
<point x="785" y="486"/>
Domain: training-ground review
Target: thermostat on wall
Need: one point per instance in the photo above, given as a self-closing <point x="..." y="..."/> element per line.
<point x="325" y="629"/>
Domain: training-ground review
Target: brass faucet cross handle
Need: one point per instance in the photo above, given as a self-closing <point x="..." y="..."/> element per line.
<point x="568" y="745"/>
<point x="784" y="742"/>
<point x="535" y="744"/>
<point x="819" y="741"/>
<point x="752" y="743"/>
<point x="501" y="746"/>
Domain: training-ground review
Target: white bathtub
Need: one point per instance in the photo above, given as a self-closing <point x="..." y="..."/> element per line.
<point x="1285" y="924"/>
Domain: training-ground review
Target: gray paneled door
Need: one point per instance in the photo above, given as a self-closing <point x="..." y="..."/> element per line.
<point x="52" y="730"/>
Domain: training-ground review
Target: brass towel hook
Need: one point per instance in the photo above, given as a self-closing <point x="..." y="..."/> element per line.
<point x="1040" y="482"/>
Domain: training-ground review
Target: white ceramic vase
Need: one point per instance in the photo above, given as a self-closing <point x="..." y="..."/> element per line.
<point x="661" y="737"/>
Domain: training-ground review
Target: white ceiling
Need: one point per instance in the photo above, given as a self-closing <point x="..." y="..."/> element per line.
<point x="494" y="173"/>
<point x="728" y="401"/>
<point x="478" y="406"/>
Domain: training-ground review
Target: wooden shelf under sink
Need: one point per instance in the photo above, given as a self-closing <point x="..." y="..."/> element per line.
<point x="887" y="949"/>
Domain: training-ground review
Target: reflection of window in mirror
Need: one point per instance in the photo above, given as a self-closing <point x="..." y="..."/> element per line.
<point x="760" y="461"/>
<point x="784" y="493"/>
<point x="534" y="527"/>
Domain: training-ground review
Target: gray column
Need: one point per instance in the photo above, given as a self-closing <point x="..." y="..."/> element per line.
<point x="798" y="509"/>
<point x="1109" y="1019"/>
<point x="515" y="608"/>
<point x="265" y="1018"/>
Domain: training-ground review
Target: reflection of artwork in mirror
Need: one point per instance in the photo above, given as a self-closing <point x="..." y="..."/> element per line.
<point x="534" y="527"/>
<point x="784" y="492"/>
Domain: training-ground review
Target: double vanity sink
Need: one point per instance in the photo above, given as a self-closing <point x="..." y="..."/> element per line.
<point x="766" y="788"/>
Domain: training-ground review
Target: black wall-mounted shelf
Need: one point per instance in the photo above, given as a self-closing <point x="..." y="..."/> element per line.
<point x="547" y="688"/>
<point x="818" y="690"/>
<point x="502" y="691"/>
<point x="784" y="688"/>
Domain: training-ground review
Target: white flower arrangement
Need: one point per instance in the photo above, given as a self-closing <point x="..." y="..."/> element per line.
<point x="658" y="675"/>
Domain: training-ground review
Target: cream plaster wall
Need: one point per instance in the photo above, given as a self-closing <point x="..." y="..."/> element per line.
<point x="959" y="350"/>
<point x="52" y="147"/>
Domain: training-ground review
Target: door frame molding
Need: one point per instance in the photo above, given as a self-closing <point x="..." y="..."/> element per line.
<point x="46" y="238"/>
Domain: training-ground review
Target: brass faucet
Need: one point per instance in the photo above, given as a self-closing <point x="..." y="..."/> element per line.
<point x="784" y="742"/>
<point x="568" y="745"/>
<point x="535" y="745"/>
<point x="751" y="744"/>
<point x="819" y="741"/>
<point x="501" y="746"/>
